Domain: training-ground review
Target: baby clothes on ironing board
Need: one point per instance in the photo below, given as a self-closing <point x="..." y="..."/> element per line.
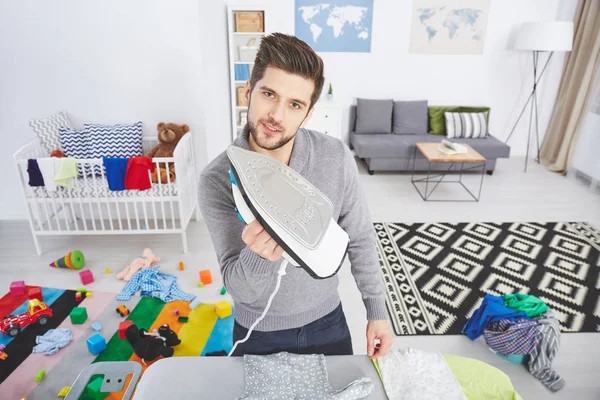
<point x="286" y="376"/>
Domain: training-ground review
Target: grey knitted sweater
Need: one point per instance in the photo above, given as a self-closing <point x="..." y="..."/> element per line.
<point x="329" y="165"/>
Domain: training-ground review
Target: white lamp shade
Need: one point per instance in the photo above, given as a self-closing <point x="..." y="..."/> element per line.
<point x="545" y="36"/>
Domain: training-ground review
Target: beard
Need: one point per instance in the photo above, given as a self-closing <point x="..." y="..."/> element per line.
<point x="269" y="143"/>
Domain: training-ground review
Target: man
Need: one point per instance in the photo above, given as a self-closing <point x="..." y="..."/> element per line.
<point x="306" y="315"/>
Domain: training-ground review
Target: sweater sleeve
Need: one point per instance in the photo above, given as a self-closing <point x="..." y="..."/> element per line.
<point x="246" y="275"/>
<point x="355" y="219"/>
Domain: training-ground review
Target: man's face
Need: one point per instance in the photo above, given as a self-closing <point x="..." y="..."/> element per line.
<point x="278" y="107"/>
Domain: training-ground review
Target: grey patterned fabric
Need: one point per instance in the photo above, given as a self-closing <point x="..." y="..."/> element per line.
<point x="548" y="343"/>
<point x="286" y="376"/>
<point x="410" y="118"/>
<point x="47" y="130"/>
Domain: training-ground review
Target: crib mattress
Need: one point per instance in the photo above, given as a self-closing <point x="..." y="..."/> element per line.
<point x="94" y="187"/>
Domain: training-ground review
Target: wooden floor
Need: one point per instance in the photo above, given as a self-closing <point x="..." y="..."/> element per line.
<point x="508" y="195"/>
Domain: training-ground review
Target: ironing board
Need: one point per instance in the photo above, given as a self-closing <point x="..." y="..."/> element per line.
<point x="215" y="378"/>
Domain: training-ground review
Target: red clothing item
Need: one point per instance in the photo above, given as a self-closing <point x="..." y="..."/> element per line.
<point x="137" y="176"/>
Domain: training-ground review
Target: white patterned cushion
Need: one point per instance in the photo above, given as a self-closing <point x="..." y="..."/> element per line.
<point x="466" y="125"/>
<point x="121" y="140"/>
<point x="75" y="144"/>
<point x="47" y="130"/>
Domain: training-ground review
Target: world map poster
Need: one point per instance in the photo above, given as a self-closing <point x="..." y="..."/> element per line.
<point x="335" y="26"/>
<point x="449" y="26"/>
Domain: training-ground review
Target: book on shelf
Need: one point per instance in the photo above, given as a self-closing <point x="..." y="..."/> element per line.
<point x="450" y="148"/>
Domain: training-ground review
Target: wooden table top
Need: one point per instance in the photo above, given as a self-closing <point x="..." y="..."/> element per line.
<point x="431" y="152"/>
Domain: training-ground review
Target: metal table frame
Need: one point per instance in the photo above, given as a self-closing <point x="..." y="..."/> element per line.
<point x="442" y="175"/>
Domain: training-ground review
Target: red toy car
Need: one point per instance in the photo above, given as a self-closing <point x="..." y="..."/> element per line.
<point x="37" y="311"/>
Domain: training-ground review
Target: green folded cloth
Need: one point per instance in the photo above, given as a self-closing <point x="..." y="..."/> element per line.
<point x="527" y="303"/>
<point x="65" y="172"/>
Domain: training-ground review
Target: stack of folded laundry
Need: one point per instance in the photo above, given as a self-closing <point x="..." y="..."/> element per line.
<point x="522" y="328"/>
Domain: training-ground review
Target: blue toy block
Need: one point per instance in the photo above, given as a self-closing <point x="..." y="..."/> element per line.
<point x="195" y="303"/>
<point x="96" y="344"/>
<point x="96" y="326"/>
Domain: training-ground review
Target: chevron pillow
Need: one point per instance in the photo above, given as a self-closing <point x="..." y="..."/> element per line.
<point x="120" y="140"/>
<point x="47" y="130"/>
<point x="75" y="144"/>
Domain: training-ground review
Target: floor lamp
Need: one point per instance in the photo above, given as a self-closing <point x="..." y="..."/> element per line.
<point x="539" y="37"/>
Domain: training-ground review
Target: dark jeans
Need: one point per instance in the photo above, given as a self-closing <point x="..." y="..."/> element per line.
<point x="328" y="335"/>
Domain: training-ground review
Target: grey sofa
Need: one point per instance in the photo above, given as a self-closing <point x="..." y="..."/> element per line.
<point x="394" y="152"/>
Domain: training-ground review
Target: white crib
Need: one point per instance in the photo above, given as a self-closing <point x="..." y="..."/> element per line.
<point x="88" y="207"/>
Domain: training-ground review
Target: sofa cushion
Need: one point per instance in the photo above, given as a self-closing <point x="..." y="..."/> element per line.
<point x="410" y="117"/>
<point x="403" y="146"/>
<point x="374" y="116"/>
<point x="437" y="124"/>
<point x="477" y="109"/>
<point x="466" y="125"/>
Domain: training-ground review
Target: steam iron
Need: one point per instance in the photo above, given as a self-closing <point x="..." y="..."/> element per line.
<point x="295" y="213"/>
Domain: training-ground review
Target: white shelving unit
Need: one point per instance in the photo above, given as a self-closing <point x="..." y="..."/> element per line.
<point x="241" y="57"/>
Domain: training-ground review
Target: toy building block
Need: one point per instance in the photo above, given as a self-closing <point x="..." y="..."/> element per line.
<point x="78" y="315"/>
<point x="17" y="288"/>
<point x="78" y="296"/>
<point x="88" y="294"/>
<point x="223" y="291"/>
<point x="200" y="284"/>
<point x="183" y="319"/>
<point x="82" y="290"/>
<point x="96" y="326"/>
<point x="205" y="276"/>
<point x="86" y="277"/>
<point x="2" y="346"/>
<point x="181" y="266"/>
<point x="107" y="271"/>
<point x="3" y="355"/>
<point x="35" y="293"/>
<point x="93" y="389"/>
<point x="40" y="375"/>
<point x="64" y="391"/>
<point x="123" y="325"/>
<point x="195" y="303"/>
<point x="223" y="309"/>
<point x="176" y="312"/>
<point x="96" y="344"/>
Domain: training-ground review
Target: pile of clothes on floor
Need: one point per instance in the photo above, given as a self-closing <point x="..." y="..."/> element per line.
<point x="523" y="326"/>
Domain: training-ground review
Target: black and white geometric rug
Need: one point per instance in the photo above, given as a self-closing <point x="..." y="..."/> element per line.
<point x="437" y="274"/>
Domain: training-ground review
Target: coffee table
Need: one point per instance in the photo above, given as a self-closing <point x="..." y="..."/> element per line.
<point x="431" y="153"/>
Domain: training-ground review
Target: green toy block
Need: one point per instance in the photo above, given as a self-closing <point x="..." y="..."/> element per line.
<point x="82" y="290"/>
<point x="223" y="291"/>
<point x="92" y="390"/>
<point x="200" y="284"/>
<point x="40" y="375"/>
<point x="78" y="315"/>
<point x="182" y="319"/>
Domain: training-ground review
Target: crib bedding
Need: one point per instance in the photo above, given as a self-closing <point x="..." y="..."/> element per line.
<point x="97" y="187"/>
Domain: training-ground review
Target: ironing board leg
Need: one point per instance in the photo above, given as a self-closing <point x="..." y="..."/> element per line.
<point x="184" y="240"/>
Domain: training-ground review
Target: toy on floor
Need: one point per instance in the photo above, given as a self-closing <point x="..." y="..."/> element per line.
<point x="176" y="313"/>
<point x="122" y="310"/>
<point x="205" y="276"/>
<point x="107" y="271"/>
<point x="223" y="291"/>
<point x="73" y="260"/>
<point x="149" y="346"/>
<point x="78" y="315"/>
<point x="123" y="325"/>
<point x="195" y="303"/>
<point x="35" y="293"/>
<point x="96" y="327"/>
<point x="86" y="277"/>
<point x="183" y="319"/>
<point x="40" y="375"/>
<point x="147" y="260"/>
<point x="3" y="355"/>
<point x="64" y="391"/>
<point x="181" y="266"/>
<point x="37" y="311"/>
<point x="17" y="288"/>
<point x="223" y="309"/>
<point x="96" y="343"/>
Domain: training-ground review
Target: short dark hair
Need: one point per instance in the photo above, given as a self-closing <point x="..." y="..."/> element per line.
<point x="292" y="55"/>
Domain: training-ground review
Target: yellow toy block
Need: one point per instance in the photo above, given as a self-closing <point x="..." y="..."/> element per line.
<point x="88" y="294"/>
<point x="107" y="271"/>
<point x="64" y="391"/>
<point x="223" y="309"/>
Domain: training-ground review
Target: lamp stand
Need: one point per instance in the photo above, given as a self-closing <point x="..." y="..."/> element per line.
<point x="534" y="107"/>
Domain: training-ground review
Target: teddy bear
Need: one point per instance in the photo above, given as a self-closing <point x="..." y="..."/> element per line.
<point x="150" y="345"/>
<point x="169" y="135"/>
<point x="147" y="260"/>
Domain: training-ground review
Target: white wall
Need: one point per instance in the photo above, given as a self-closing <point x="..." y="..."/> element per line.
<point x="103" y="61"/>
<point x="499" y="78"/>
<point x="112" y="61"/>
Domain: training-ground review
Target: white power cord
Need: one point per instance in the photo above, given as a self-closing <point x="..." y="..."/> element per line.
<point x="280" y="273"/>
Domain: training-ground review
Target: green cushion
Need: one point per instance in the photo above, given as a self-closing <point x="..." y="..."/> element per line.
<point x="437" y="122"/>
